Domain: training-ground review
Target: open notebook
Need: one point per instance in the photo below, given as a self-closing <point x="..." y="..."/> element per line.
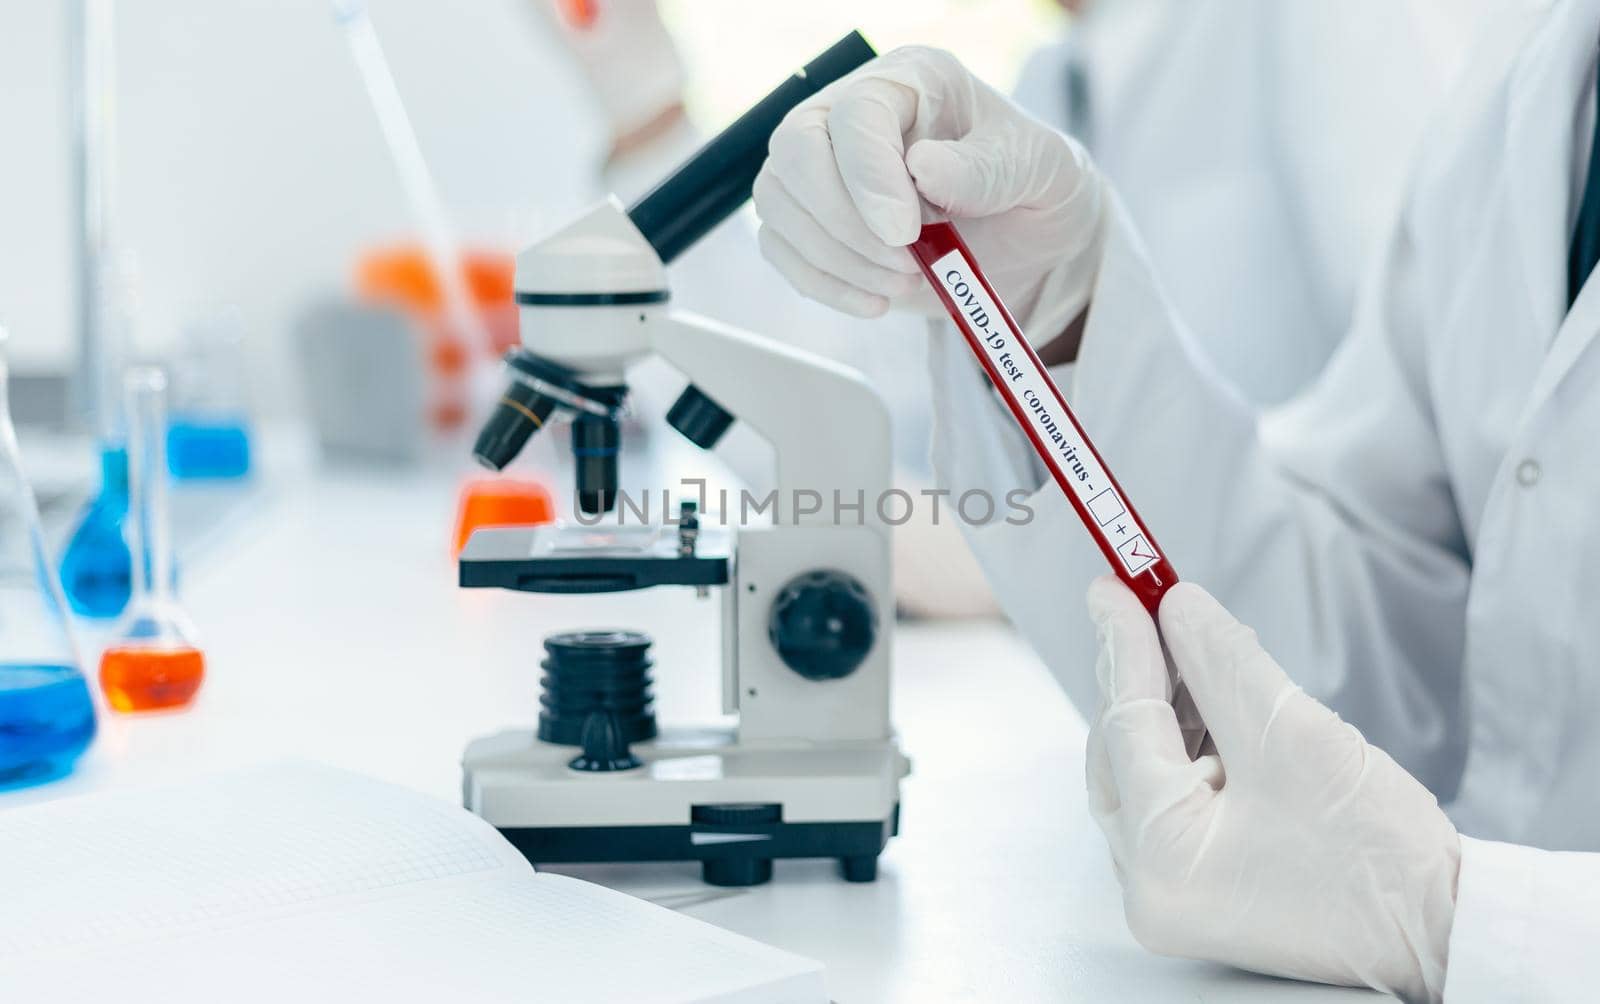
<point x="296" y="882"/>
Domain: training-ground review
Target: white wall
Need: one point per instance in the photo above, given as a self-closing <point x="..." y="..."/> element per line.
<point x="250" y="166"/>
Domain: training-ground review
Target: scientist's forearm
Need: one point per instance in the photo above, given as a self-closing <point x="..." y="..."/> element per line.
<point x="641" y="137"/>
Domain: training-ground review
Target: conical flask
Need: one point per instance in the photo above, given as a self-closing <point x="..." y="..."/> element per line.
<point x="46" y="714"/>
<point x="155" y="661"/>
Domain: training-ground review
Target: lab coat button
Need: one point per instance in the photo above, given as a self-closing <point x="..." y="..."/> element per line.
<point x="1528" y="473"/>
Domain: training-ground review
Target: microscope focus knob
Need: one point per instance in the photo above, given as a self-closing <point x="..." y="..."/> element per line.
<point x="823" y="624"/>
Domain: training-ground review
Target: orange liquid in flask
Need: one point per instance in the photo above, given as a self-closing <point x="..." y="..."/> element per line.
<point x="156" y="663"/>
<point x="147" y="678"/>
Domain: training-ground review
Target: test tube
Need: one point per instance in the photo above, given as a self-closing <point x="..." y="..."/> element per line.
<point x="415" y="178"/>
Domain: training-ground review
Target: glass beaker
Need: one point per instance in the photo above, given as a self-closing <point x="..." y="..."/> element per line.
<point x="46" y="715"/>
<point x="155" y="661"/>
<point x="208" y="436"/>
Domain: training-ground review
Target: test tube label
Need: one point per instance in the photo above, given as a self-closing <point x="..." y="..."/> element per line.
<point x="1065" y="450"/>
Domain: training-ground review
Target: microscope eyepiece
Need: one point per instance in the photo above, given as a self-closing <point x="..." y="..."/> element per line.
<point x="718" y="179"/>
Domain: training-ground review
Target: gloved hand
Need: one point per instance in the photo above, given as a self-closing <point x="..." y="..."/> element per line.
<point x="840" y="194"/>
<point x="1297" y="849"/>
<point x="625" y="53"/>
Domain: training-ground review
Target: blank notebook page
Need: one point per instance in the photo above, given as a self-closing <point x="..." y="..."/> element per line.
<point x="298" y="880"/>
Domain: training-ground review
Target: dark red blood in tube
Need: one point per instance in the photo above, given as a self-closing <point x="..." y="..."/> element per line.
<point x="1035" y="401"/>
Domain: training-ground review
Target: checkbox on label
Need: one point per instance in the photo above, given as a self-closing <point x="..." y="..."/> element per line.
<point x="1106" y="507"/>
<point x="1137" y="553"/>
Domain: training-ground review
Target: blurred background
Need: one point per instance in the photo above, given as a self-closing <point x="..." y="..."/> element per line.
<point x="259" y="239"/>
<point x="255" y="280"/>
<point x="250" y="171"/>
<point x="304" y="214"/>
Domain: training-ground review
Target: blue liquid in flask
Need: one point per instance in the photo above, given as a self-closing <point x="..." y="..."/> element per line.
<point x="96" y="569"/>
<point x="46" y="721"/>
<point x="211" y="447"/>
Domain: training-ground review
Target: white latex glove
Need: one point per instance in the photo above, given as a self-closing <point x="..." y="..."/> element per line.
<point x="626" y="54"/>
<point x="840" y="194"/>
<point x="1297" y="849"/>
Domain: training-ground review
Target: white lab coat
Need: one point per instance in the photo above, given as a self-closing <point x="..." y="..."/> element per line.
<point x="1287" y="126"/>
<point x="1415" y="537"/>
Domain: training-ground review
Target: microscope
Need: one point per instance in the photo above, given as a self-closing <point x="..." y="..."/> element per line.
<point x="812" y="768"/>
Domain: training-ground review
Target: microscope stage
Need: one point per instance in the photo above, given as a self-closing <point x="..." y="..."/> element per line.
<point x="565" y="558"/>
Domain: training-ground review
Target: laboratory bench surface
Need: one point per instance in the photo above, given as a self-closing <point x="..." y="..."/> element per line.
<point x="334" y="631"/>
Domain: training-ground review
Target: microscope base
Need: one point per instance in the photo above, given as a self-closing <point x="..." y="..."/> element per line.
<point x="698" y="796"/>
<point x="735" y="860"/>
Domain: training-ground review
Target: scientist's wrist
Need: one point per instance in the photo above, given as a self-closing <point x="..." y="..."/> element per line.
<point x="1443" y="893"/>
<point x="1416" y="967"/>
<point x="1063" y="348"/>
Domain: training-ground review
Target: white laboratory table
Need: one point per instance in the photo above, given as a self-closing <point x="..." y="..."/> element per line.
<point x="334" y="631"/>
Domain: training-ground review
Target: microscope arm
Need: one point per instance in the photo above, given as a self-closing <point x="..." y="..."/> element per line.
<point x="828" y="429"/>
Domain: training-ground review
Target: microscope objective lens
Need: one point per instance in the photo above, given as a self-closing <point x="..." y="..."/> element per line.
<point x="520" y="412"/>
<point x="595" y="441"/>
